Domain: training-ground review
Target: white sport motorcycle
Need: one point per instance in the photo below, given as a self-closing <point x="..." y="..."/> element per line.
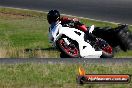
<point x="72" y="43"/>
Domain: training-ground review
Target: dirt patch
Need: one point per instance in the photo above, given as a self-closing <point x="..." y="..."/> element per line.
<point x="15" y="15"/>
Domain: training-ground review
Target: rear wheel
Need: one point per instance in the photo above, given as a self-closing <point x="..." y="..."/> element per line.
<point x="107" y="51"/>
<point x="70" y="50"/>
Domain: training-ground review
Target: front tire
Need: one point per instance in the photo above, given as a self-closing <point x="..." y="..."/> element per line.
<point x="63" y="55"/>
<point x="68" y="51"/>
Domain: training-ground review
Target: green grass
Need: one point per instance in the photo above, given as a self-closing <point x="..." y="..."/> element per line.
<point x="22" y="30"/>
<point x="35" y="75"/>
<point x="24" y="34"/>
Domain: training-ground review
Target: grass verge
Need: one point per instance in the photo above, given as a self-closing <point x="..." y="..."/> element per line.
<point x="24" y="34"/>
<point x="35" y="75"/>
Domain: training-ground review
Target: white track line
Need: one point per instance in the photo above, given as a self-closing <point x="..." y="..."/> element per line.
<point x="62" y="14"/>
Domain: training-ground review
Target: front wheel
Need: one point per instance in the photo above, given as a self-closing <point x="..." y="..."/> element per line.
<point x="69" y="50"/>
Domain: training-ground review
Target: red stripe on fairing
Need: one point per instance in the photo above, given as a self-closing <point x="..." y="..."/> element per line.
<point x="82" y="28"/>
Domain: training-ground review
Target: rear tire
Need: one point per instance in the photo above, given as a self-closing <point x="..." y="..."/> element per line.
<point x="107" y="51"/>
<point x="106" y="55"/>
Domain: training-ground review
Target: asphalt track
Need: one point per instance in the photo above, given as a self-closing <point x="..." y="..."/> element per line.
<point x="119" y="11"/>
<point x="67" y="60"/>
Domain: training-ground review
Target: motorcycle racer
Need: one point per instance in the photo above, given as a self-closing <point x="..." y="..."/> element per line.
<point x="57" y="26"/>
<point x="56" y="22"/>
